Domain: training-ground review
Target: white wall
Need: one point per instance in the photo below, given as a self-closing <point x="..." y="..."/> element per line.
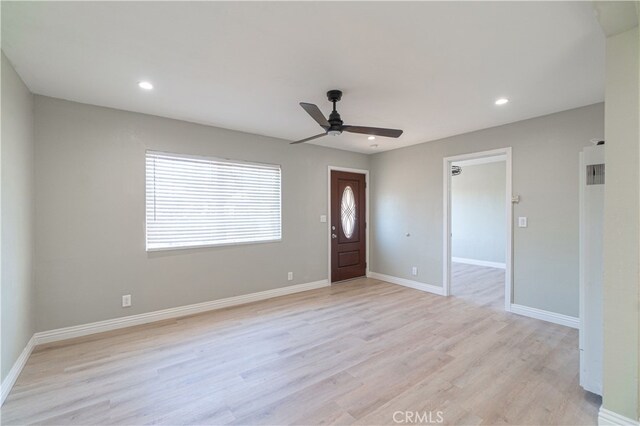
<point x="90" y="247"/>
<point x="17" y="215"/>
<point x="478" y="212"/>
<point x="406" y="197"/>
<point x="621" y="226"/>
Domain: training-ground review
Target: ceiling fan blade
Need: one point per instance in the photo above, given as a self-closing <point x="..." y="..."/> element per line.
<point x="316" y="114"/>
<point x="375" y="131"/>
<point x="309" y="139"/>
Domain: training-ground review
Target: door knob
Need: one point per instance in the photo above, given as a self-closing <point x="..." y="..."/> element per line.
<point x="334" y="236"/>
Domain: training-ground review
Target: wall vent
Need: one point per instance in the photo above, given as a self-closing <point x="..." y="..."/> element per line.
<point x="595" y="174"/>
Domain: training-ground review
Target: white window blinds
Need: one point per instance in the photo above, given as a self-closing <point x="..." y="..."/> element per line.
<point x="199" y="201"/>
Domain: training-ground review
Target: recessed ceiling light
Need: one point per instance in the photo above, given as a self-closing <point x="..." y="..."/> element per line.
<point x="371" y="138"/>
<point x="145" y="85"/>
<point x="374" y="146"/>
<point x="502" y="101"/>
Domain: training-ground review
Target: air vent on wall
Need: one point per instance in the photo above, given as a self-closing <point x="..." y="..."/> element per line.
<point x="595" y="174"/>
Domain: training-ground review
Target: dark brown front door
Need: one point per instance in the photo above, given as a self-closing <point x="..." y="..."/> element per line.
<point x="348" y="227"/>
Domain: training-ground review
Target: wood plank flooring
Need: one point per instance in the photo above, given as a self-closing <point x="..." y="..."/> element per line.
<point x="355" y="353"/>
<point x="478" y="285"/>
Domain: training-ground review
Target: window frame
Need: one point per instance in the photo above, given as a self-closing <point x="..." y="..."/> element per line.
<point x="208" y="158"/>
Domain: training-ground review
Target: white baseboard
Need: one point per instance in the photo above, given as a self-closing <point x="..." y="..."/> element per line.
<point x="479" y="262"/>
<point x="611" y="418"/>
<point x="543" y="315"/>
<point x="181" y="311"/>
<point x="15" y="371"/>
<point x="408" y="283"/>
<point x="114" y="324"/>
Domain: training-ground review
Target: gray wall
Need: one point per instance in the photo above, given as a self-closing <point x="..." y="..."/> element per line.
<point x="621" y="227"/>
<point x="17" y="215"/>
<point x="406" y="197"/>
<point x="478" y="212"/>
<point x="90" y="247"/>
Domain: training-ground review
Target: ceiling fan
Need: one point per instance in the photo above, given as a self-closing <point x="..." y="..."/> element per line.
<point x="334" y="125"/>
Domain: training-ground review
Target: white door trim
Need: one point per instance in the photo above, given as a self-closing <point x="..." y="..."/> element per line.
<point x="367" y="185"/>
<point x="446" y="270"/>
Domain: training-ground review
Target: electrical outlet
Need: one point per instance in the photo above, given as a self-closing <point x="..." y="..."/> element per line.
<point x="414" y="271"/>
<point x="290" y="276"/>
<point x="126" y="301"/>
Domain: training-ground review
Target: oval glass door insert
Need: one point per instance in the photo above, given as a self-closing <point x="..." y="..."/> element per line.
<point x="348" y="212"/>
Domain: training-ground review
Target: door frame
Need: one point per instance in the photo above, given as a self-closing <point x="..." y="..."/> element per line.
<point x="446" y="236"/>
<point x="366" y="194"/>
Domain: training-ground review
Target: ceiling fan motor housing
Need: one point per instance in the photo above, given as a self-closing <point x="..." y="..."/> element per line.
<point x="334" y="118"/>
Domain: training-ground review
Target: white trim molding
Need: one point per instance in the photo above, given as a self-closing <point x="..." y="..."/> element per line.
<point x="15" y="371"/>
<point x="481" y="160"/>
<point x="611" y="418"/>
<point x="408" y="283"/>
<point x="500" y="265"/>
<point x="132" y="320"/>
<point x="543" y="315"/>
<point x="181" y="311"/>
<point x="500" y="154"/>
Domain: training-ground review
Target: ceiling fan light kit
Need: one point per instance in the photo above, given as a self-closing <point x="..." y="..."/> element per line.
<point x="334" y="126"/>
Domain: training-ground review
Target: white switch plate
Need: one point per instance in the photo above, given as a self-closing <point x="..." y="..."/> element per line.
<point x="126" y="301"/>
<point x="323" y="218"/>
<point x="522" y="222"/>
<point x="414" y="270"/>
<point x="290" y="276"/>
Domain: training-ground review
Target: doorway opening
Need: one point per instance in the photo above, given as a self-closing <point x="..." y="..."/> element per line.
<point x="348" y="217"/>
<point x="478" y="228"/>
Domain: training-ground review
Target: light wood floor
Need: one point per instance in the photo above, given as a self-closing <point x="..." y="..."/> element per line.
<point x="354" y="353"/>
<point x="478" y="285"/>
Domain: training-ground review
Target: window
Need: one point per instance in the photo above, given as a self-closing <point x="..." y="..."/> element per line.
<point x="201" y="201"/>
<point x="348" y="212"/>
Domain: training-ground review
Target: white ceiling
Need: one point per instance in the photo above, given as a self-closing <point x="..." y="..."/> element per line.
<point x="433" y="69"/>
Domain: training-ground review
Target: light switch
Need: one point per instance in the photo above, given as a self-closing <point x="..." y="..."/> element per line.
<point x="323" y="218"/>
<point x="522" y="222"/>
